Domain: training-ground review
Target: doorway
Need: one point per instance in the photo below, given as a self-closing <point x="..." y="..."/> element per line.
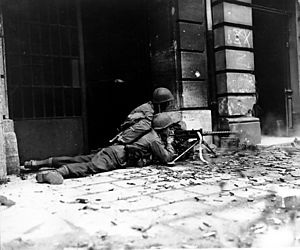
<point x="116" y="64"/>
<point x="270" y="29"/>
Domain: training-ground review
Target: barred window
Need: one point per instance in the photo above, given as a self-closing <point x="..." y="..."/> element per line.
<point x="42" y="58"/>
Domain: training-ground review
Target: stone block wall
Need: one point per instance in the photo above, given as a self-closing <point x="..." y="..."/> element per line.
<point x="234" y="66"/>
<point x="179" y="55"/>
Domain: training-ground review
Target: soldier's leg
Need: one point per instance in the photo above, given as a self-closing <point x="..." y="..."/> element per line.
<point x="73" y="170"/>
<point x="64" y="160"/>
<point x="57" y="162"/>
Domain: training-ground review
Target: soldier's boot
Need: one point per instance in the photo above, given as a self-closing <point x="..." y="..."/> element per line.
<point x="55" y="177"/>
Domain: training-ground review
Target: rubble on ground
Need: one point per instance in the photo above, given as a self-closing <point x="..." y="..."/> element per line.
<point x="254" y="191"/>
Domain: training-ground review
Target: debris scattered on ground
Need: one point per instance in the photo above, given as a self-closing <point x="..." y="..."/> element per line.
<point x="105" y="206"/>
<point x="82" y="200"/>
<point x="89" y="208"/>
<point x="6" y="202"/>
<point x="259" y="228"/>
<point x="296" y="173"/>
<point x="206" y="224"/>
<point x="141" y="228"/>
<point x="131" y="183"/>
<point x="210" y="234"/>
<point x="233" y="180"/>
<point x="250" y="199"/>
<point x="113" y="223"/>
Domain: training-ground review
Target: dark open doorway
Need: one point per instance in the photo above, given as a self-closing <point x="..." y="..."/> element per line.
<point x="116" y="63"/>
<point x="270" y="26"/>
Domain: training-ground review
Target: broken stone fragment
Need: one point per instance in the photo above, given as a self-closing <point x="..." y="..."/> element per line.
<point x="210" y="234"/>
<point x="6" y="202"/>
<point x="145" y="235"/>
<point x="275" y="221"/>
<point x="142" y="229"/>
<point x="291" y="202"/>
<point x="230" y="238"/>
<point x="224" y="193"/>
<point x="81" y="200"/>
<point x="225" y="177"/>
<point x="89" y="208"/>
<point x="113" y="223"/>
<point x="250" y="199"/>
<point x="259" y="228"/>
<point x="199" y="199"/>
<point x="131" y="183"/>
<point x="123" y="210"/>
<point x="296" y="173"/>
<point x="206" y="224"/>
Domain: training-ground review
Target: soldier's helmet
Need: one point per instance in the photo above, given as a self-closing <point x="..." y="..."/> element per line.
<point x="162" y="121"/>
<point x="161" y="95"/>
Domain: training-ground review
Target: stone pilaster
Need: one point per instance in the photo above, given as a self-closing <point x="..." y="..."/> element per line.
<point x="11" y="147"/>
<point x="3" y="169"/>
<point x="9" y="157"/>
<point x="234" y="60"/>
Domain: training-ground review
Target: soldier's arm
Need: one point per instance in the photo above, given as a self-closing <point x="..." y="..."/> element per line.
<point x="164" y="152"/>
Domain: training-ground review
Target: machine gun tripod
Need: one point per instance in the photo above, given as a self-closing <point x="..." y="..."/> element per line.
<point x="198" y="135"/>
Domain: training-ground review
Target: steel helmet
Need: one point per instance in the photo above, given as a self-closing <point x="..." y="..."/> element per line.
<point x="161" y="121"/>
<point x="161" y="95"/>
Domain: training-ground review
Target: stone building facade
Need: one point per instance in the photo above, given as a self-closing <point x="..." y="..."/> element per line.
<point x="72" y="69"/>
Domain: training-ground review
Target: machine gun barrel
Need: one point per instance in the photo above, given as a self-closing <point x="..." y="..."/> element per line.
<point x="192" y="134"/>
<point x="218" y="132"/>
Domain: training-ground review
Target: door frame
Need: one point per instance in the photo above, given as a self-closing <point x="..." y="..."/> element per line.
<point x="288" y="91"/>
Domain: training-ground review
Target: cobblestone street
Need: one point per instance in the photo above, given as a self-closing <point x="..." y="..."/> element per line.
<point x="247" y="198"/>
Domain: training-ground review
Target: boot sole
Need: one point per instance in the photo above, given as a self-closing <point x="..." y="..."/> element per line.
<point x="50" y="178"/>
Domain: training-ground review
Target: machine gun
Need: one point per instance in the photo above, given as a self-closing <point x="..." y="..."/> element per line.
<point x="198" y="135"/>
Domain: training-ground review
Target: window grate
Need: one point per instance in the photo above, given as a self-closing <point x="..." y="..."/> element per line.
<point x="42" y="58"/>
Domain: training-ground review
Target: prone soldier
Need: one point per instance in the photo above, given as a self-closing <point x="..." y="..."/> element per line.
<point x="155" y="145"/>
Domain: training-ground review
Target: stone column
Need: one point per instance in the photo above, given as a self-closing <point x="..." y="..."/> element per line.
<point x="234" y="59"/>
<point x="9" y="157"/>
<point x="3" y="169"/>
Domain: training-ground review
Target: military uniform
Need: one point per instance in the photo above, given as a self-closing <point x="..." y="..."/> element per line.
<point x="150" y="146"/>
<point x="137" y="123"/>
<point x="136" y="145"/>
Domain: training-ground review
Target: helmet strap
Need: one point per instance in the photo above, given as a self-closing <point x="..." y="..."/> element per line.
<point x="159" y="108"/>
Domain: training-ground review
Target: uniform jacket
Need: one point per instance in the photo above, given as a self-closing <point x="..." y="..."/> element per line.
<point x="150" y="144"/>
<point x="137" y="123"/>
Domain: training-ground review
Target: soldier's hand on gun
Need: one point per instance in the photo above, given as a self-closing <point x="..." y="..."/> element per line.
<point x="170" y="139"/>
<point x="170" y="136"/>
